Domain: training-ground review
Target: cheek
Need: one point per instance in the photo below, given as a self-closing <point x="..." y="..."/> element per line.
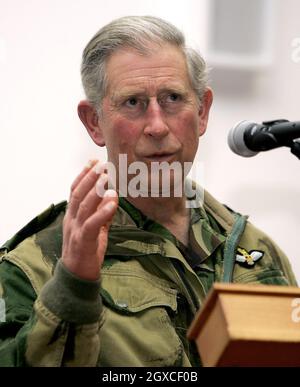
<point x="123" y="134"/>
<point x="188" y="127"/>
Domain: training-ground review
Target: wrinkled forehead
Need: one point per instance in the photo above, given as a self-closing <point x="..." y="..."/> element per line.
<point x="128" y="66"/>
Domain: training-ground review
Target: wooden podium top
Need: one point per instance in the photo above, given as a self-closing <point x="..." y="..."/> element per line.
<point x="248" y="325"/>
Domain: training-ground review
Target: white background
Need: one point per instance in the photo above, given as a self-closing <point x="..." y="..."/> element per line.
<point x="44" y="145"/>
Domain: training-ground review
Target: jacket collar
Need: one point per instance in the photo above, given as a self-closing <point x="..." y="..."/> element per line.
<point x="134" y="234"/>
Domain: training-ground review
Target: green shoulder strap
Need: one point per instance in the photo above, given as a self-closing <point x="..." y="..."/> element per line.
<point x="231" y="245"/>
<point x="38" y="223"/>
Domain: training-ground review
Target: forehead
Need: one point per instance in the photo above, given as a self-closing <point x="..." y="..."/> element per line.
<point x="161" y="66"/>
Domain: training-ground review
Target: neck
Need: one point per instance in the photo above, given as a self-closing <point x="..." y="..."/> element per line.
<point x="159" y="209"/>
<point x="169" y="212"/>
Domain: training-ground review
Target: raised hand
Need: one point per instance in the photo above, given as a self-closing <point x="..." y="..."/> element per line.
<point x="86" y="223"/>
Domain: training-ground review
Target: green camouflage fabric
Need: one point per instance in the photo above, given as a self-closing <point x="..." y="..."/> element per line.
<point x="150" y="289"/>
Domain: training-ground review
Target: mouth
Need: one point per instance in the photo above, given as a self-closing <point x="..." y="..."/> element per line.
<point x="160" y="156"/>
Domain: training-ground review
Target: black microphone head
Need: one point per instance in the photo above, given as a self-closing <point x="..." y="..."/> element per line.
<point x="236" y="140"/>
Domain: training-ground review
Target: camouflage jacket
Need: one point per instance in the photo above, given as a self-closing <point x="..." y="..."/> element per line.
<point x="150" y="289"/>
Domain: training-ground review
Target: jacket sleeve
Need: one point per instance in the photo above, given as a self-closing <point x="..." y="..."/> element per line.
<point x="59" y="327"/>
<point x="273" y="269"/>
<point x="285" y="265"/>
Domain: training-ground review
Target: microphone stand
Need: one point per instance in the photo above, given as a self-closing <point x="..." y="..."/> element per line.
<point x="295" y="149"/>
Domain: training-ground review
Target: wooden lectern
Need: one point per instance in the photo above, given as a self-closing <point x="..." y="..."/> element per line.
<point x="248" y="325"/>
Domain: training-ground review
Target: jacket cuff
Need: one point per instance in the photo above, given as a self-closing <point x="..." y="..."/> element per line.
<point x="71" y="298"/>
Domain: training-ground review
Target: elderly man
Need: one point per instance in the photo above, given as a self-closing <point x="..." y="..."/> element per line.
<point x="113" y="279"/>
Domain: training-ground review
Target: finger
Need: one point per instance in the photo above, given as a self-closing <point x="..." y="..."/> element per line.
<point x="102" y="242"/>
<point x="109" y="195"/>
<point x="82" y="189"/>
<point x="86" y="169"/>
<point x="92" y="200"/>
<point x="91" y="228"/>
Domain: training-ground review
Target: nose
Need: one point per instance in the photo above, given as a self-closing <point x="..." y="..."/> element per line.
<point x="155" y="126"/>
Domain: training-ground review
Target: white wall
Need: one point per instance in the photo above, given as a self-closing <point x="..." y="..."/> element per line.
<point x="44" y="145"/>
<point x="267" y="186"/>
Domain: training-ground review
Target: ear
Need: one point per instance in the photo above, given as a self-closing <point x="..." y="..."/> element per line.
<point x="90" y="119"/>
<point x="204" y="110"/>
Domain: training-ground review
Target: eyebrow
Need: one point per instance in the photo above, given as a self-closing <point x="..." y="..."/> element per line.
<point x="136" y="92"/>
<point x="126" y="94"/>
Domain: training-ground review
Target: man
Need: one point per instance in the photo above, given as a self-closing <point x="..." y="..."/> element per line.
<point x="116" y="281"/>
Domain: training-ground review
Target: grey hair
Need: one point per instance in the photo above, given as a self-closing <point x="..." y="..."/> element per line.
<point x="135" y="32"/>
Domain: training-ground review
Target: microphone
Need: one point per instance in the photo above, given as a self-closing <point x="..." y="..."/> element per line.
<point x="248" y="138"/>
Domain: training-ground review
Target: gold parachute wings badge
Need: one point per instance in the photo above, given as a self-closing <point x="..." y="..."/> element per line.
<point x="246" y="258"/>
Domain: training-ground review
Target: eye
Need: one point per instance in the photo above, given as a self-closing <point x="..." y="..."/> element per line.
<point x="173" y="97"/>
<point x="131" y="102"/>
